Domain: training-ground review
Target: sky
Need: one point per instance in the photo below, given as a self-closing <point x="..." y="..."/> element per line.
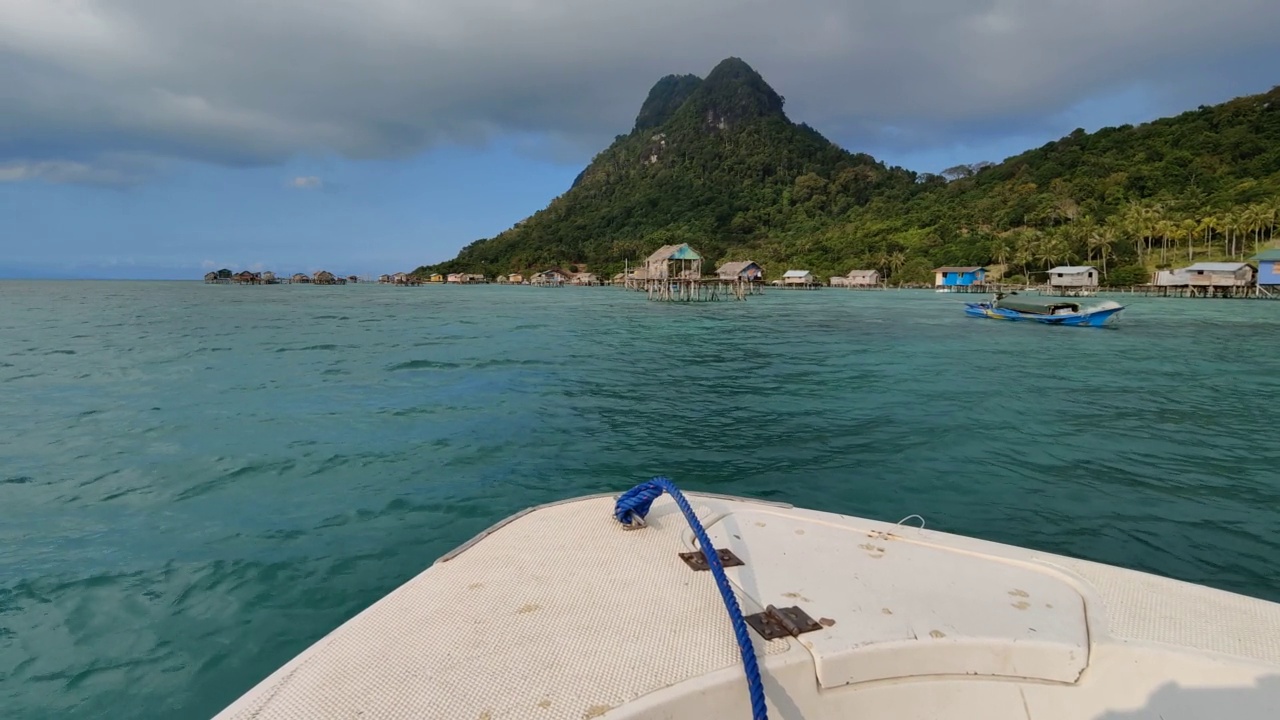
<point x="165" y="138"/>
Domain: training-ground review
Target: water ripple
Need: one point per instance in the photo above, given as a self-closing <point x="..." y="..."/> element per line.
<point x="199" y="481"/>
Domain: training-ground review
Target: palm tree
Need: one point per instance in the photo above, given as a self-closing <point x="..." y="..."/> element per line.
<point x="1189" y="228"/>
<point x="895" y="261"/>
<point x="1142" y="221"/>
<point x="1227" y="224"/>
<point x="1168" y="231"/>
<point x="1102" y="240"/>
<point x="879" y="261"/>
<point x="1023" y="248"/>
<point x="1001" y="248"/>
<point x="1255" y="218"/>
<point x="1208" y="225"/>
<point x="1237" y="225"/>
<point x="1054" y="251"/>
<point x="1131" y="221"/>
<point x="1271" y="211"/>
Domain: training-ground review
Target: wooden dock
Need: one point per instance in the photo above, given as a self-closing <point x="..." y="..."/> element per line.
<point x="695" y="290"/>
<point x="1238" y="292"/>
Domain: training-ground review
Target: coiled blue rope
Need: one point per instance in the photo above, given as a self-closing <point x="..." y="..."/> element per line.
<point x="630" y="509"/>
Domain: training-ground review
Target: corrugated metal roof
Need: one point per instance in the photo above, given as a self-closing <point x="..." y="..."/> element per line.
<point x="861" y="273"/>
<point x="735" y="267"/>
<point x="1073" y="269"/>
<point x="1272" y="255"/>
<point x="974" y="268"/>
<point x="1215" y="267"/>
<point x="796" y="273"/>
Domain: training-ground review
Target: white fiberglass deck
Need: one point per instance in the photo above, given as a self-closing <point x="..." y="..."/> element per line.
<point x="561" y="614"/>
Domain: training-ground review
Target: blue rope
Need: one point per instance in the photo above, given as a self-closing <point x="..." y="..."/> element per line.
<point x="630" y="509"/>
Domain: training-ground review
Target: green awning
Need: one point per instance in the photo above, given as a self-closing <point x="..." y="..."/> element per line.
<point x="684" y="252"/>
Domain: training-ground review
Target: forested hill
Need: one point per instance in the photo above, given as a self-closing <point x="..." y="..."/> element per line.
<point x="715" y="162"/>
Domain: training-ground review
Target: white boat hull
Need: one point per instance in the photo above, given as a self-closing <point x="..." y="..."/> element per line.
<point x="561" y="613"/>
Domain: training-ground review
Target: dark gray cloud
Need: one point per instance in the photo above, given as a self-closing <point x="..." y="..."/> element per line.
<point x="94" y="90"/>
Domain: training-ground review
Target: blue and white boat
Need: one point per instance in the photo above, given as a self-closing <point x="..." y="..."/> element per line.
<point x="1056" y="312"/>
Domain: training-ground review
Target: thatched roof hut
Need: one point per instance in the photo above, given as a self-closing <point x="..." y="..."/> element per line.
<point x="269" y="277"/>
<point x="211" y="277"/>
<point x="674" y="261"/>
<point x="741" y="270"/>
<point x="300" y="278"/>
<point x="324" y="277"/>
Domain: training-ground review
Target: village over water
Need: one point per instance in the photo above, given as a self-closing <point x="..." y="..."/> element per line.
<point x="675" y="272"/>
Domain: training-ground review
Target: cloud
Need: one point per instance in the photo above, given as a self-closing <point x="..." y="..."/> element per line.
<point x="64" y="171"/>
<point x="306" y="182"/>
<point x="250" y="82"/>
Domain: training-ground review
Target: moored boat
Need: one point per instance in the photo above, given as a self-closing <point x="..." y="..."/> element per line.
<point x="602" y="607"/>
<point x="1050" y="312"/>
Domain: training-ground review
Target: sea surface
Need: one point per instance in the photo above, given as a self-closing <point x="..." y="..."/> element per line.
<point x="197" y="482"/>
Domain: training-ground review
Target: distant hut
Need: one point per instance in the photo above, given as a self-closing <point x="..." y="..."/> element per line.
<point x="1219" y="275"/>
<point x="245" y="277"/>
<point x="501" y="279"/>
<point x="801" y="278"/>
<point x="211" y="277"/>
<point x="269" y="278"/>
<point x="585" y="279"/>
<point x="1074" y="276"/>
<point x="1268" y="269"/>
<point x="862" y="278"/>
<point x="400" y="279"/>
<point x="324" y="277"/>
<point x="385" y="279"/>
<point x="671" y="262"/>
<point x="1170" y="278"/>
<point x="353" y="278"/>
<point x="549" y="278"/>
<point x="744" y="270"/>
<point x="949" y="276"/>
<point x="224" y="274"/>
<point x="620" y="279"/>
<point x="515" y="278"/>
<point x="436" y="278"/>
<point x="301" y="278"/>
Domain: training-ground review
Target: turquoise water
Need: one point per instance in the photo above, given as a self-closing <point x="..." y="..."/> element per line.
<point x="198" y="481"/>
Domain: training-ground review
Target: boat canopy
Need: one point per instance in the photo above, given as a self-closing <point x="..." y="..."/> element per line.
<point x="1035" y="307"/>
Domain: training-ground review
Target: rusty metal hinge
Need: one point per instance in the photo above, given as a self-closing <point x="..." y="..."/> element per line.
<point x="698" y="561"/>
<point x="777" y="622"/>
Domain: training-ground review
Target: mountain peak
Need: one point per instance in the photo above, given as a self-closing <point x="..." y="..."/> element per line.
<point x="733" y="92"/>
<point x="665" y="98"/>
